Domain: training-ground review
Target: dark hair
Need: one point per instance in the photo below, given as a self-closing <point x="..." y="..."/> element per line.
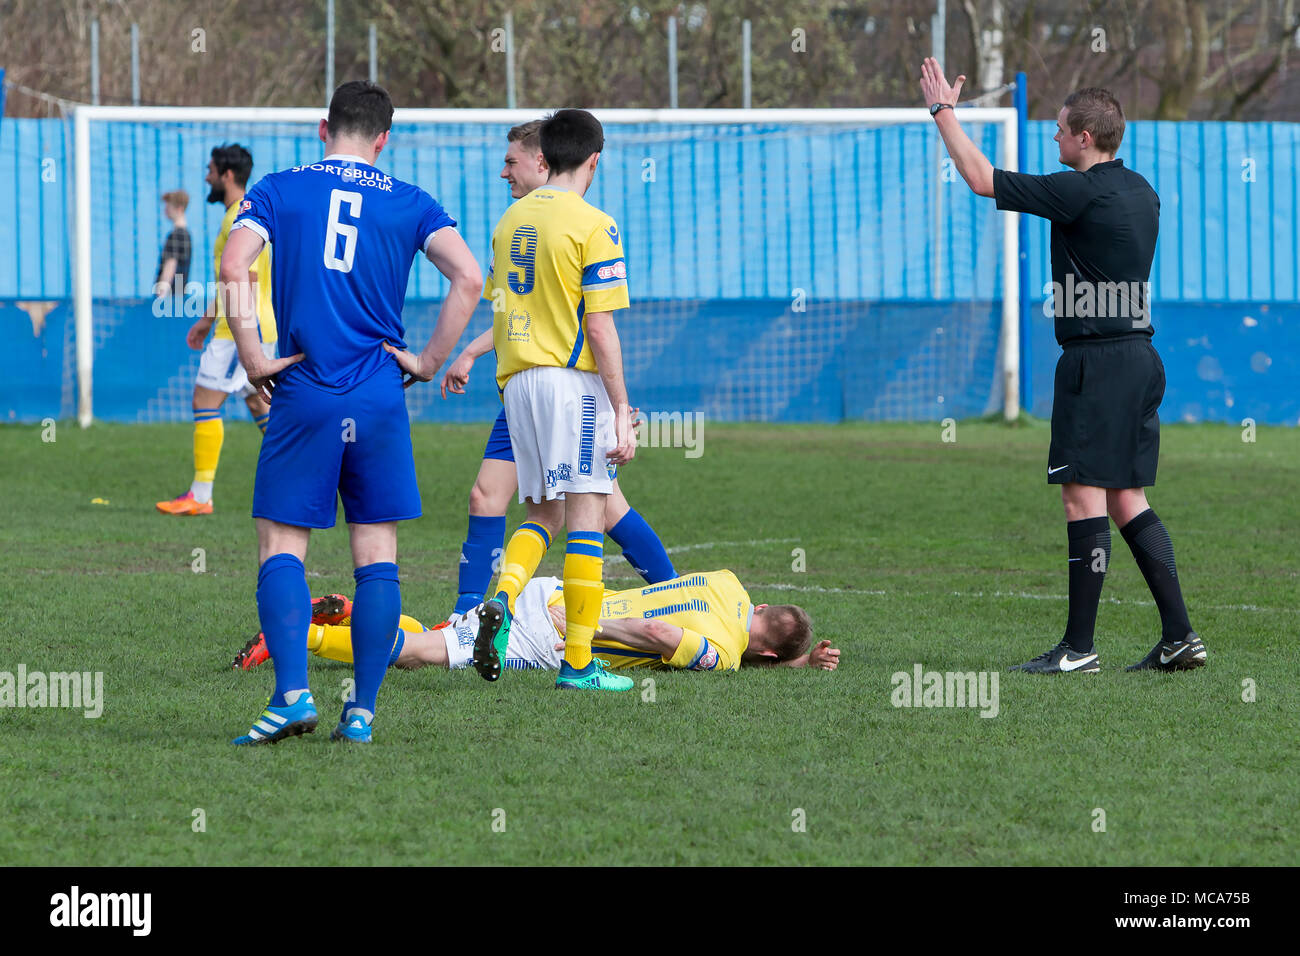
<point x="1097" y="111"/>
<point x="526" y="134"/>
<point x="233" y="158"/>
<point x="568" y="139"/>
<point x="360" y="108"/>
<point x="789" y="631"/>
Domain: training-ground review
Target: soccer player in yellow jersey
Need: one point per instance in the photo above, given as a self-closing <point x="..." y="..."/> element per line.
<point x="703" y="622"/>
<point x="556" y="277"/>
<point x="220" y="374"/>
<point x="495" y="485"/>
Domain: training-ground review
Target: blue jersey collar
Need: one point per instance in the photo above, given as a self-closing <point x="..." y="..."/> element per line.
<point x="346" y="158"/>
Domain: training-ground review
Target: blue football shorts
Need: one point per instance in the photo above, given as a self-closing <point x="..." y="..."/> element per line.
<point x="355" y="445"/>
<point x="498" y="443"/>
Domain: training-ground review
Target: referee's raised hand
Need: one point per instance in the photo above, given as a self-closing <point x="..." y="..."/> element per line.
<point x="934" y="87"/>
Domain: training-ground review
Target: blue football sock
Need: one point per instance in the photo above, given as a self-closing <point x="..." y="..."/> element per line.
<point x="486" y="535"/>
<point x="375" y="609"/>
<point x="397" y="647"/>
<point x="284" y="609"/>
<point x="642" y="548"/>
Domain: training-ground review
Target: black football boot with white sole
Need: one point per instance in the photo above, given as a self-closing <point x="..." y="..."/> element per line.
<point x="1169" y="656"/>
<point x="1062" y="659"/>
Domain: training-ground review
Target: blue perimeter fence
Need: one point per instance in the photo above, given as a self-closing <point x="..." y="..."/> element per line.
<point x="778" y="274"/>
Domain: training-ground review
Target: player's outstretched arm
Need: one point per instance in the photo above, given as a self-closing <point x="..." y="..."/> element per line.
<point x="457" y="376"/>
<point x="658" y="636"/>
<point x="236" y="290"/>
<point x="822" y="657"/>
<point x="447" y="251"/>
<point x="973" y="165"/>
<point x="608" y="353"/>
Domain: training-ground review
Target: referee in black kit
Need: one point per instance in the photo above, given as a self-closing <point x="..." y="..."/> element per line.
<point x="1109" y="379"/>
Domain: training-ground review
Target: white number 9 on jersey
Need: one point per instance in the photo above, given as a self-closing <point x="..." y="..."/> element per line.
<point x="336" y="229"/>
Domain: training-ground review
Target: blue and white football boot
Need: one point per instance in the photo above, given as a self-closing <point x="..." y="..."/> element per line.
<point x="295" y="718"/>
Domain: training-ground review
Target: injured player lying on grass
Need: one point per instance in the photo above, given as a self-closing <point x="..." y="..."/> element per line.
<point x="673" y="636"/>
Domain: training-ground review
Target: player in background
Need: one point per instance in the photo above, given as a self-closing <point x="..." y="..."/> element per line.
<point x="657" y="628"/>
<point x="557" y="275"/>
<point x="345" y="236"/>
<point x="220" y="372"/>
<point x="1109" y="380"/>
<point x="174" y="260"/>
<point x="525" y="169"/>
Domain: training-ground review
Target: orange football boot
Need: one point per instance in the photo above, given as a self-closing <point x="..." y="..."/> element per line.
<point x="253" y="654"/>
<point x="184" y="505"/>
<point x="331" y="609"/>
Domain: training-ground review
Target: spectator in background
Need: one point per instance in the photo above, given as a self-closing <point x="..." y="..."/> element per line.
<point x="174" y="261"/>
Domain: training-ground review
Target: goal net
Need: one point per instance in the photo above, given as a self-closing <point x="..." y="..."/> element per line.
<point x="801" y="266"/>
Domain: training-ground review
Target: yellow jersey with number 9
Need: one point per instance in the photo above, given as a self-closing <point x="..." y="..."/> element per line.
<point x="555" y="258"/>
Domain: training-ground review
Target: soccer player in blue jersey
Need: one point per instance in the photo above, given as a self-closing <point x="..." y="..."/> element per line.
<point x="525" y="169"/>
<point x="345" y="236"/>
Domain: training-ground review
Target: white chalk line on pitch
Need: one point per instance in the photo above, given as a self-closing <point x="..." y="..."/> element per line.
<point x="1025" y="595"/>
<point x="705" y="546"/>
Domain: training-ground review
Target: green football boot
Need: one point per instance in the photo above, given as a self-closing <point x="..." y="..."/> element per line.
<point x="592" y="677"/>
<point x="493" y="636"/>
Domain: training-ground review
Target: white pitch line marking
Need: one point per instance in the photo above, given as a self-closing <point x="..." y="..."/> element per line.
<point x="1023" y="595"/>
<point x="706" y="545"/>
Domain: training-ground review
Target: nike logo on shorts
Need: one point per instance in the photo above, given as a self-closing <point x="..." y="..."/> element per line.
<point x="1052" y="471"/>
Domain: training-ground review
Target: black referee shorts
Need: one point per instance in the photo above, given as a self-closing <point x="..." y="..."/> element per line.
<point x="1105" y="414"/>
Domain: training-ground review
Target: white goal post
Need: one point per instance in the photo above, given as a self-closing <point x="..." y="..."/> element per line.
<point x="1003" y="117"/>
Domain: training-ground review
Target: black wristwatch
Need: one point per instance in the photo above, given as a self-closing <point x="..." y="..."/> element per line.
<point x="934" y="110"/>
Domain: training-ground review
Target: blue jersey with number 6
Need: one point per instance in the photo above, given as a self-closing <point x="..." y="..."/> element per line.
<point x="344" y="236"/>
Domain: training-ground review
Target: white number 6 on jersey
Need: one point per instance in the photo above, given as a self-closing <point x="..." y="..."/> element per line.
<point x="349" y="232"/>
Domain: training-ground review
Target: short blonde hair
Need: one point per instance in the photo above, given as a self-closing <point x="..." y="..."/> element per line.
<point x="178" y="198"/>
<point x="528" y="135"/>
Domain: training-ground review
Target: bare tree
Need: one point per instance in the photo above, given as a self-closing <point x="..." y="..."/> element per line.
<point x="1169" y="59"/>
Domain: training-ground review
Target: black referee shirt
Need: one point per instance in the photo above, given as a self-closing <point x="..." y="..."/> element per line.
<point x="1104" y="227"/>
<point x="177" y="246"/>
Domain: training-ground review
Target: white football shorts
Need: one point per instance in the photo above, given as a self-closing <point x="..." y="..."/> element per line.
<point x="531" y="645"/>
<point x="219" y="367"/>
<point x="561" y="429"/>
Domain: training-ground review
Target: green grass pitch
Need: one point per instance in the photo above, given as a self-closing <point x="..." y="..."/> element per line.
<point x="950" y="555"/>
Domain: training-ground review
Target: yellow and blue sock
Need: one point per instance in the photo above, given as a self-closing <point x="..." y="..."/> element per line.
<point x="523" y="554"/>
<point x="584" y="591"/>
<point x="209" y="433"/>
<point x="398" y="644"/>
<point x="284" y="609"/>
<point x="376" y="608"/>
<point x="485" y="538"/>
<point x="642" y="548"/>
<point x="261" y="420"/>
